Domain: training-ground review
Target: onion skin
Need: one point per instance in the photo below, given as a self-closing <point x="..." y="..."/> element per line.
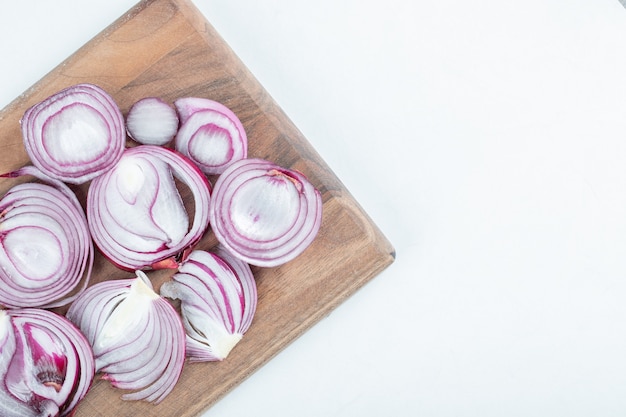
<point x="46" y="251"/>
<point x="75" y="134"/>
<point x="137" y="337"/>
<point x="264" y="214"/>
<point x="218" y="297"/>
<point x="47" y="366"/>
<point x="135" y="212"/>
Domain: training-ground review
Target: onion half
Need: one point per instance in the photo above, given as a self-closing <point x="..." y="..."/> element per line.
<point x="218" y="300"/>
<point x="264" y="214"/>
<point x="75" y="134"/>
<point x="137" y="337"/>
<point x="46" y="364"/>
<point x="211" y="135"/>
<point x="46" y="251"/>
<point x="136" y="214"/>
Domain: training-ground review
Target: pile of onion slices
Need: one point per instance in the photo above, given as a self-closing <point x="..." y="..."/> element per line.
<point x="148" y="205"/>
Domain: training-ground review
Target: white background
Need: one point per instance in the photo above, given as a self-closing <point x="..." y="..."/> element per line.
<point x="487" y="139"/>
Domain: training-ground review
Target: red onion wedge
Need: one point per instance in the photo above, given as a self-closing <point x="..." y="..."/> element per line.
<point x="264" y="214"/>
<point x="46" y="251"/>
<point x="46" y="364"/>
<point x="218" y="300"/>
<point x="137" y="336"/>
<point x="75" y="134"/>
<point x="136" y="214"/>
<point x="151" y="121"/>
<point x="211" y="135"/>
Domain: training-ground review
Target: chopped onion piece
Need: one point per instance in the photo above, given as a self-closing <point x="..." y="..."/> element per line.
<point x="211" y="135"/>
<point x="264" y="214"/>
<point x="74" y="135"/>
<point x="137" y="337"/>
<point x="151" y="121"/>
<point x="46" y="364"/>
<point x="46" y="251"/>
<point x="135" y="211"/>
<point x="218" y="300"/>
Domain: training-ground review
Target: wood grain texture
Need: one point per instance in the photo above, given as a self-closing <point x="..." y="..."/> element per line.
<point x="167" y="48"/>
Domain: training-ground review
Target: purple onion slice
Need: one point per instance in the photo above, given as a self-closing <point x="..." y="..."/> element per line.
<point x="46" y="251"/>
<point x="211" y="135"/>
<point x="46" y="364"/>
<point x="264" y="214"/>
<point x="218" y="300"/>
<point x="151" y="121"/>
<point x="74" y="135"/>
<point x="136" y="214"/>
<point x="137" y="336"/>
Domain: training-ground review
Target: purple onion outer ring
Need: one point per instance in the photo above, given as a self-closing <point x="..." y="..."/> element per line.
<point x="286" y="244"/>
<point x="79" y="366"/>
<point x="93" y="98"/>
<point x="36" y="205"/>
<point x="183" y="169"/>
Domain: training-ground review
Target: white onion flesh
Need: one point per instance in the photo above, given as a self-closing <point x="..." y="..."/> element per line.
<point x="137" y="337"/>
<point x="218" y="300"/>
<point x="46" y="251"/>
<point x="211" y="135"/>
<point x="75" y="134"/>
<point x="151" y="121"/>
<point x="264" y="214"/>
<point x="46" y="364"/>
<point x="136" y="214"/>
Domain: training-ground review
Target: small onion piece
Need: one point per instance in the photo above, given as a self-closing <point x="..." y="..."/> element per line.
<point x="151" y="121"/>
<point x="135" y="211"/>
<point x="211" y="135"/>
<point x="46" y="251"/>
<point x="218" y="300"/>
<point x="46" y="364"/>
<point x="137" y="336"/>
<point x="264" y="214"/>
<point x="74" y="135"/>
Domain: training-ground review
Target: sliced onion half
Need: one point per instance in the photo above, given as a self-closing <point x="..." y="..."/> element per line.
<point x="135" y="211"/>
<point x="211" y="135"/>
<point x="264" y="214"/>
<point x="46" y="251"/>
<point x="75" y="134"/>
<point x="137" y="336"/>
<point x="46" y="364"/>
<point x="218" y="300"/>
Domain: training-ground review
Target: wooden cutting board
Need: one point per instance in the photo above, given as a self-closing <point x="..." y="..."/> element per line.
<point x="166" y="48"/>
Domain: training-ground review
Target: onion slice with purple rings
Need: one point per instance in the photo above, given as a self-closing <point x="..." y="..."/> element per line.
<point x="264" y="214"/>
<point x="211" y="135"/>
<point x="137" y="336"/>
<point x="136" y="214"/>
<point x="151" y="121"/>
<point x="46" y="251"/>
<point x="218" y="297"/>
<point x="74" y="135"/>
<point x="46" y="364"/>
